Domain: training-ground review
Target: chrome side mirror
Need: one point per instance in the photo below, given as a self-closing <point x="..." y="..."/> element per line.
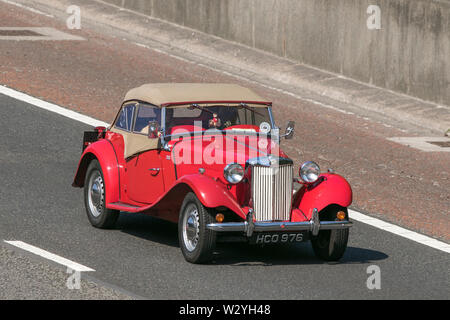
<point x="153" y="130"/>
<point x="289" y="134"/>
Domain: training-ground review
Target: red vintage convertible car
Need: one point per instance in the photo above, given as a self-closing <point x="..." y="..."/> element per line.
<point x="207" y="157"/>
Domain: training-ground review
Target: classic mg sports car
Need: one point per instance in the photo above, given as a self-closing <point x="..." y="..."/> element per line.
<point x="208" y="157"/>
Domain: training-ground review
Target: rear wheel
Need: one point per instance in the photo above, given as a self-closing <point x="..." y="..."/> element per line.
<point x="330" y="245"/>
<point x="197" y="243"/>
<point x="94" y="198"/>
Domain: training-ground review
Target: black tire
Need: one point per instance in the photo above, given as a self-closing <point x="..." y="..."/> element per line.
<point x="99" y="216"/>
<point x="203" y="249"/>
<point x="330" y="245"/>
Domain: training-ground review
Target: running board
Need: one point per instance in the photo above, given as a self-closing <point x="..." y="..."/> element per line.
<point x="123" y="207"/>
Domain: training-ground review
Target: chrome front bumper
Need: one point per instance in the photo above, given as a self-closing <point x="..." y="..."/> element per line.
<point x="249" y="226"/>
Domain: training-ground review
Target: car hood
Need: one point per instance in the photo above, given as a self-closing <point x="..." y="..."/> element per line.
<point x="219" y="150"/>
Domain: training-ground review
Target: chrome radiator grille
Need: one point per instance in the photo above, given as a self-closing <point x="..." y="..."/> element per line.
<point x="272" y="192"/>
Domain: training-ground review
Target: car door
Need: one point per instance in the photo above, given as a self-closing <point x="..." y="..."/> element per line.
<point x="143" y="164"/>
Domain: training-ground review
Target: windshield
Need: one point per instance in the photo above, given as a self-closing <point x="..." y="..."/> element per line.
<point x="197" y="118"/>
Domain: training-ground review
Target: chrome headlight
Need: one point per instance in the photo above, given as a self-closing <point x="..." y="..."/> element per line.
<point x="233" y="173"/>
<point x="309" y="172"/>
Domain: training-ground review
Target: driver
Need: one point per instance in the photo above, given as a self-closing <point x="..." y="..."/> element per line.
<point x="215" y="122"/>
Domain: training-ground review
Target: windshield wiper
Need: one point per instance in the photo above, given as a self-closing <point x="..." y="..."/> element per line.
<point x="243" y="105"/>
<point x="201" y="108"/>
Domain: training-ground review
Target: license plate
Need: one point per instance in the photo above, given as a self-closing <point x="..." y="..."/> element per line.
<point x="266" y="238"/>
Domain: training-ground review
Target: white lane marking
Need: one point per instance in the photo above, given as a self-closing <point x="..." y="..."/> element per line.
<point x="28" y="8"/>
<point x="355" y="215"/>
<point x="51" y="107"/>
<point x="402" y="232"/>
<point x="50" y="256"/>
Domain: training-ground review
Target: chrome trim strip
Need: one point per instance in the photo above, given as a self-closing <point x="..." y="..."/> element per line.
<point x="315" y="222"/>
<point x="272" y="120"/>
<point x="250" y="225"/>
<point x="163" y="123"/>
<point x="249" y="228"/>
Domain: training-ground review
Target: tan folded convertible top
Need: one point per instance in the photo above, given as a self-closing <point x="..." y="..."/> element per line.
<point x="182" y="94"/>
<point x="173" y="94"/>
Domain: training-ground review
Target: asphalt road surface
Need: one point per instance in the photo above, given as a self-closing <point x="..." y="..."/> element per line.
<point x="39" y="151"/>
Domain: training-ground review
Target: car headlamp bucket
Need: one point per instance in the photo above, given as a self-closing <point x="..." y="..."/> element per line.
<point x="233" y="173"/>
<point x="309" y="172"/>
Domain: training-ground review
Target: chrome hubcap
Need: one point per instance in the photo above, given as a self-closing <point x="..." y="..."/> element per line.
<point x="96" y="194"/>
<point x="191" y="229"/>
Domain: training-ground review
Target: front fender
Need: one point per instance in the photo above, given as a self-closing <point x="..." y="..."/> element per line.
<point x="105" y="153"/>
<point x="334" y="189"/>
<point x="212" y="193"/>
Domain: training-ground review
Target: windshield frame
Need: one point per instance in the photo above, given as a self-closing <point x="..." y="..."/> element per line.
<point x="165" y="137"/>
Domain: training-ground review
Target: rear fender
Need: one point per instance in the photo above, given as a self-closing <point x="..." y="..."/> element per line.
<point x="334" y="189"/>
<point x="104" y="152"/>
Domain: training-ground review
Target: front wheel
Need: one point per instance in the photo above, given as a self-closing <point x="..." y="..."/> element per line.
<point x="94" y="199"/>
<point x="197" y="243"/>
<point x="330" y="245"/>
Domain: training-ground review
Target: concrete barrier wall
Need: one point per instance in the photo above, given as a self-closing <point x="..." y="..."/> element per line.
<point x="409" y="54"/>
